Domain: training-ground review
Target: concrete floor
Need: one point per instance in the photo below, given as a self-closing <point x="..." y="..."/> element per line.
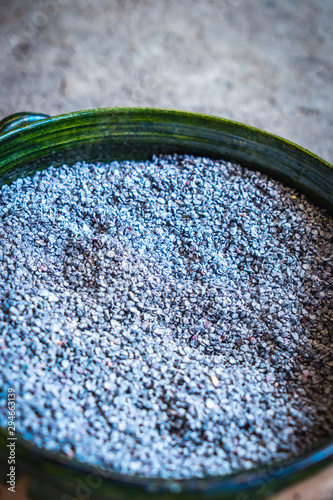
<point x="267" y="63"/>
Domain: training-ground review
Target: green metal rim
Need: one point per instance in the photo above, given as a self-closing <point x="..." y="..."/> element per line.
<point x="118" y="133"/>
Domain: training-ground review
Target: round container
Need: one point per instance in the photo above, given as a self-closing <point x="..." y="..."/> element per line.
<point x="30" y="142"/>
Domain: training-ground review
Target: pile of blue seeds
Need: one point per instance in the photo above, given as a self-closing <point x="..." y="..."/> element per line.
<point x="166" y="318"/>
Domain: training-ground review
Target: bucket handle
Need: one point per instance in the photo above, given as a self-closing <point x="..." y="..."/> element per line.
<point x="19" y="120"/>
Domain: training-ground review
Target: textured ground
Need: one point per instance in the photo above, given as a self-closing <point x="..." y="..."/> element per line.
<point x="265" y="63"/>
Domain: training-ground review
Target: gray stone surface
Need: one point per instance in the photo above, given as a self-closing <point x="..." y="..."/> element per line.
<point x="265" y="63"/>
